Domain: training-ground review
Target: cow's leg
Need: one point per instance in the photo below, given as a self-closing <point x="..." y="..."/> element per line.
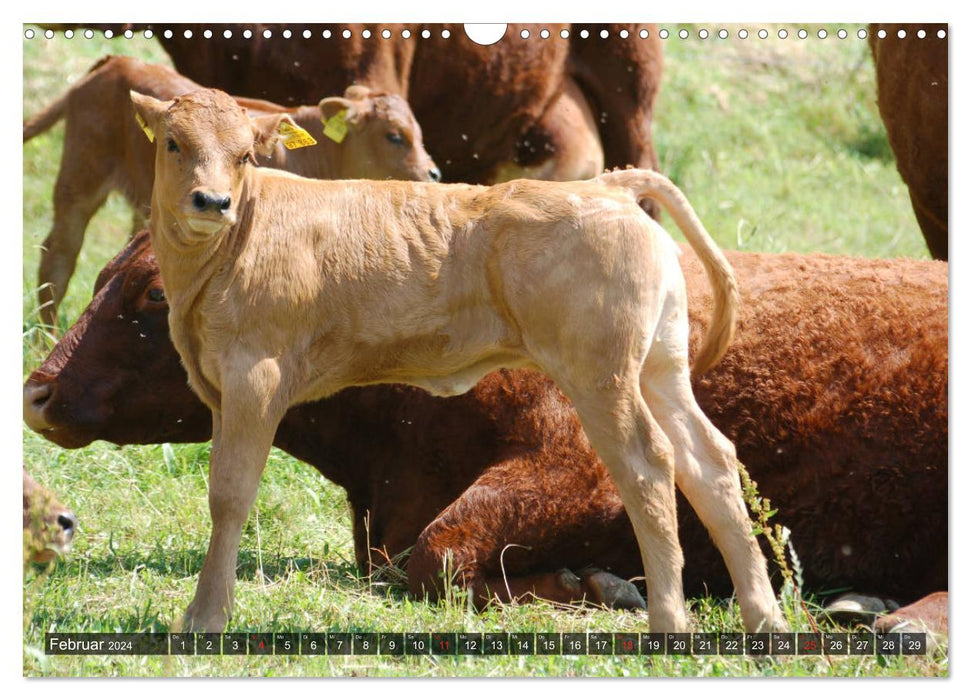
<point x="242" y="436"/>
<point x="523" y="531"/>
<point x="589" y="586"/>
<point x="708" y="476"/>
<point x="78" y="195"/>
<point x="933" y="228"/>
<point x="640" y="459"/>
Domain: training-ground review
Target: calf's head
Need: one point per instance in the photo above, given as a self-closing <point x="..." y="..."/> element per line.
<point x="206" y="145"/>
<point x="115" y="375"/>
<point x="382" y="139"/>
<point x="49" y="527"/>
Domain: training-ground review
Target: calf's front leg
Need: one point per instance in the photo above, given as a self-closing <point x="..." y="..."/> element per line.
<point x="242" y="436"/>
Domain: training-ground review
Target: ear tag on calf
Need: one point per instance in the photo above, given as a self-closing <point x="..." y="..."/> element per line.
<point x="294" y="137"/>
<point x="335" y="128"/>
<point x="145" y="127"/>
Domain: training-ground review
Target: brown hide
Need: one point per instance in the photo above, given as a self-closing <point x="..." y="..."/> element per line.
<point x="929" y="614"/>
<point x="913" y="100"/>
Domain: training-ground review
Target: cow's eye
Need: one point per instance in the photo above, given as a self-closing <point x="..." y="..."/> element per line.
<point x="395" y="137"/>
<point x="172" y="146"/>
<point x="245" y="158"/>
<point x="156" y="294"/>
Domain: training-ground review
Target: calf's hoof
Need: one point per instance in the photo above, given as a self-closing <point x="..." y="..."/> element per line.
<point x="606" y="589"/>
<point x="196" y="620"/>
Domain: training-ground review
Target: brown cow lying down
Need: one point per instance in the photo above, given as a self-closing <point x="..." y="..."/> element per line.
<point x="841" y="417"/>
<point x="912" y="96"/>
<point x="285" y="290"/>
<point x="49" y="527"/>
<point x="105" y="150"/>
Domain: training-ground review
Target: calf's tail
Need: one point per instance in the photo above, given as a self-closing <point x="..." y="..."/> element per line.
<point x="54" y="112"/>
<point x="46" y="118"/>
<point x="721" y="330"/>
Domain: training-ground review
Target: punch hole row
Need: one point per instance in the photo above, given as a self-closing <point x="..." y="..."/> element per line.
<point x="524" y="34"/>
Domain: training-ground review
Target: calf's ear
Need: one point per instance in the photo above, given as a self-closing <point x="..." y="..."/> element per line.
<point x="330" y="107"/>
<point x="148" y="111"/>
<point x="338" y="115"/>
<point x="269" y="129"/>
<point x="359" y="93"/>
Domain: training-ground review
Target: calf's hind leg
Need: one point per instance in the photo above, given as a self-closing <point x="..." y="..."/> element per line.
<point x="707" y="475"/>
<point x="640" y="459"/>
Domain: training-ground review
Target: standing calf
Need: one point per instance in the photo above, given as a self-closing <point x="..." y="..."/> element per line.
<point x="840" y="417"/>
<point x="105" y="151"/>
<point x="284" y="290"/>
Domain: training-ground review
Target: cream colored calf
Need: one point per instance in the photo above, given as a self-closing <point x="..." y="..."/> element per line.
<point x="284" y="290"/>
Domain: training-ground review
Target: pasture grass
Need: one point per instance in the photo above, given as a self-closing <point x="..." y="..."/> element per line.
<point x="779" y="146"/>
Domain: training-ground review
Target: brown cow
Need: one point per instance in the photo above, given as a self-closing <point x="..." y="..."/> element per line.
<point x="485" y="109"/>
<point x="912" y="96"/>
<point x="847" y="435"/>
<point x="567" y="139"/>
<point x="105" y="150"/>
<point x="49" y="527"/>
<point x="284" y="290"/>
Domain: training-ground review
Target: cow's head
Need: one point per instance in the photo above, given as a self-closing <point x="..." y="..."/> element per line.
<point x="115" y="375"/>
<point x="49" y="527"/>
<point x="382" y="139"/>
<point x="206" y="143"/>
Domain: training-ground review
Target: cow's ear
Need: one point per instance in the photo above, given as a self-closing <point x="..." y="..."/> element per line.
<point x="148" y="111"/>
<point x="269" y="129"/>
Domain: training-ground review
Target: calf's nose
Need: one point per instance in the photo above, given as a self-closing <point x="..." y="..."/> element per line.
<point x="206" y="201"/>
<point x="36" y="397"/>
<point x="68" y="522"/>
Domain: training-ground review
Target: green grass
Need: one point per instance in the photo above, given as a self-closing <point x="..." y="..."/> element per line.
<point x="779" y="146"/>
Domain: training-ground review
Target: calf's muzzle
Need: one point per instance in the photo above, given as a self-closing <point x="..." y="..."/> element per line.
<point x="208" y="202"/>
<point x="68" y="522"/>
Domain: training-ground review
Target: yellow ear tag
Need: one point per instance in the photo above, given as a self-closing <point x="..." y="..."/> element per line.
<point x="145" y="127"/>
<point x="335" y="128"/>
<point x="294" y="136"/>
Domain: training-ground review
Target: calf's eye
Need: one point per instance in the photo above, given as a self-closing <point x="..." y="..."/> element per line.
<point x="396" y="138"/>
<point x="156" y="294"/>
<point x="172" y="146"/>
